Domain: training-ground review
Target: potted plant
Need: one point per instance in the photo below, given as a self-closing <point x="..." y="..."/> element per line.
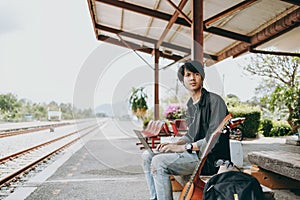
<point x="174" y="111"/>
<point x="138" y="102"/>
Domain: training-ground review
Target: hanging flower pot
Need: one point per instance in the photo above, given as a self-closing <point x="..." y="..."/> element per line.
<point x="138" y="102"/>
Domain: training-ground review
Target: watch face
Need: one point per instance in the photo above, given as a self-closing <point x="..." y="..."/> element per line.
<point x="189" y="147"/>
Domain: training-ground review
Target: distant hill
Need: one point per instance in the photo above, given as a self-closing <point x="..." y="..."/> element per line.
<point x="115" y="110"/>
<point x="104" y="108"/>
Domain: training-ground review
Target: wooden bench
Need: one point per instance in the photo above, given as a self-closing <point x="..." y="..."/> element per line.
<point x="276" y="169"/>
<point x="154" y="131"/>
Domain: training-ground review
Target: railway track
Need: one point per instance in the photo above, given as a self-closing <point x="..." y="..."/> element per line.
<point x="18" y="164"/>
<point x="20" y="131"/>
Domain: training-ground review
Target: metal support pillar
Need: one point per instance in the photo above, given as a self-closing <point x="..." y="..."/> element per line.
<point x="197" y="30"/>
<point x="156" y="84"/>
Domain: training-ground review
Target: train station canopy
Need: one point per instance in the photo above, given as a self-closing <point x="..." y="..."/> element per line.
<point x="204" y="30"/>
<point x="230" y="27"/>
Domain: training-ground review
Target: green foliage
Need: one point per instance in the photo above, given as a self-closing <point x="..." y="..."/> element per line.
<point x="271" y="128"/>
<point x="280" y="129"/>
<point x="83" y="113"/>
<point x="9" y="106"/>
<point x="12" y="109"/>
<point x="288" y="97"/>
<point x="8" y="102"/>
<point x="39" y="111"/>
<point x="296" y="114"/>
<point x="266" y="126"/>
<point x="283" y="96"/>
<point x="251" y="124"/>
<point x="146" y="122"/>
<point x="232" y="100"/>
<point x="66" y="110"/>
<point x="284" y="74"/>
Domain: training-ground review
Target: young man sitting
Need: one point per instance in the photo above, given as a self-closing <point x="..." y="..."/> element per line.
<point x="205" y="111"/>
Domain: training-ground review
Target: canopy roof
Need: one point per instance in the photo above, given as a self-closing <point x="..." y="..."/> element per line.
<point x="231" y="27"/>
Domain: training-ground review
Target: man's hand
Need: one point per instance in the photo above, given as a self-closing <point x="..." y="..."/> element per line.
<point x="170" y="147"/>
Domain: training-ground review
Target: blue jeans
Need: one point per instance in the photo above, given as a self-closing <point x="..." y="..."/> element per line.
<point x="158" y="169"/>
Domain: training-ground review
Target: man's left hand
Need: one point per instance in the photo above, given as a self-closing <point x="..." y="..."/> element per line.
<point x="172" y="148"/>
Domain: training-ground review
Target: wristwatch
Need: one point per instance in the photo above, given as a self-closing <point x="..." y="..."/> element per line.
<point x="189" y="147"/>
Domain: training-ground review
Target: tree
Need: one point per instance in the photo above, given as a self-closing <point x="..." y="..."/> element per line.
<point x="296" y="114"/>
<point x="232" y="100"/>
<point x="284" y="72"/>
<point x="67" y="110"/>
<point x="39" y="111"/>
<point x="9" y="106"/>
<point x="53" y="106"/>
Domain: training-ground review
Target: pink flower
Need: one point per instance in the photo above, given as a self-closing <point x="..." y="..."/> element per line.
<point x="174" y="111"/>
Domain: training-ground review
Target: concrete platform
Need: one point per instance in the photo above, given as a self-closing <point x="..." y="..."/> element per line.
<point x="107" y="165"/>
<point x="97" y="168"/>
<point x="293" y="140"/>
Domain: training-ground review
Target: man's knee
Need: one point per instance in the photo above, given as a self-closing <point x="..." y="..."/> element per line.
<point x="158" y="164"/>
<point x="146" y="156"/>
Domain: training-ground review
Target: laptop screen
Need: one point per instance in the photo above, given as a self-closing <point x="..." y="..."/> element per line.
<point x="143" y="141"/>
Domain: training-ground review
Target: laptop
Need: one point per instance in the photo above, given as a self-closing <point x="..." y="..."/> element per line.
<point x="145" y="143"/>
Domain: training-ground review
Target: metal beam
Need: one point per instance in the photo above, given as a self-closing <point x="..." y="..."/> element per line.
<point x="145" y="11"/>
<point x="171" y="22"/>
<point x="142" y="38"/>
<point x="157" y="3"/>
<point x="149" y="40"/>
<point x="219" y="31"/>
<point x="179" y="10"/>
<point x="295" y="2"/>
<point x="228" y="12"/>
<point x="136" y="47"/>
<point x="91" y="8"/>
<point x="279" y="53"/>
<point x="165" y="16"/>
<point x="276" y="29"/>
<point x="281" y="26"/>
<point x="129" y="47"/>
<point x="228" y="34"/>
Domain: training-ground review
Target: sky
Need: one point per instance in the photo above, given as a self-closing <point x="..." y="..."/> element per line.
<point x="48" y="51"/>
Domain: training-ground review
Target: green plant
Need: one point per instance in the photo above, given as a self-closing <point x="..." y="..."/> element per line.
<point x="251" y="124"/>
<point x="280" y="129"/>
<point x="146" y="122"/>
<point x="138" y="102"/>
<point x="266" y="127"/>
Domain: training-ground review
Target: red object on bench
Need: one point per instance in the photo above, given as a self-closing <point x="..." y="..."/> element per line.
<point x="236" y="121"/>
<point x="179" y="125"/>
<point x="155" y="130"/>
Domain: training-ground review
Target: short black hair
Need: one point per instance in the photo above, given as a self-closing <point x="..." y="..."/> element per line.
<point x="193" y="66"/>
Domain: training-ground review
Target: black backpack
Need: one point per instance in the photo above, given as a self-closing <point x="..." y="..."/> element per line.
<point x="233" y="185"/>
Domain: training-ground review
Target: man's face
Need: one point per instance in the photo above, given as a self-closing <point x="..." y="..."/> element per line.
<point x="192" y="81"/>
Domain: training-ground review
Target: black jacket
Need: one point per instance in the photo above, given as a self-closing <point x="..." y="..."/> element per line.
<point x="203" y="118"/>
